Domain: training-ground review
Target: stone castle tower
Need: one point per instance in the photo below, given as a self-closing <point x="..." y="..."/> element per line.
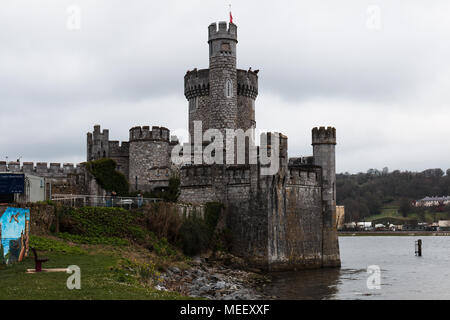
<point x="144" y="160"/>
<point x="282" y="221"/>
<point x="222" y="97"/>
<point x="278" y="222"/>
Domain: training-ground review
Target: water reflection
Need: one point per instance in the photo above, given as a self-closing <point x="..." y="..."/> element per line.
<point x="305" y="284"/>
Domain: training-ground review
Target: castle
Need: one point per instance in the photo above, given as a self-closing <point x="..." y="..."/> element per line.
<point x="282" y="221"/>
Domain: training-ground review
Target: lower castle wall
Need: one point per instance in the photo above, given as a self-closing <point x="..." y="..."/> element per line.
<point x="276" y="221"/>
<point x="303" y="226"/>
<point x="201" y="194"/>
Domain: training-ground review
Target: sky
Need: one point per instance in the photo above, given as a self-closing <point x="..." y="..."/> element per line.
<point x="378" y="71"/>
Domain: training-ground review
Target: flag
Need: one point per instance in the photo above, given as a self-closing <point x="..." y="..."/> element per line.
<point x="231" y="18"/>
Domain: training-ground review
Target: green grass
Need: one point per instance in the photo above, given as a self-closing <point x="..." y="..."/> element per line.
<point x="391" y="211"/>
<point x="103" y="276"/>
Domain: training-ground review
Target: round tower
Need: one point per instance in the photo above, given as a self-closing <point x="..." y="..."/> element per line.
<point x="149" y="158"/>
<point x="324" y="155"/>
<point x="196" y="91"/>
<point x="222" y="42"/>
<point x="247" y="90"/>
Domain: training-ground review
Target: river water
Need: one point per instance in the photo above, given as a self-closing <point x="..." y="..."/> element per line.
<point x="402" y="275"/>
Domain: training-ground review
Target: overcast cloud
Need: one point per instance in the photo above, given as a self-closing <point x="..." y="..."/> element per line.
<point x="383" y="83"/>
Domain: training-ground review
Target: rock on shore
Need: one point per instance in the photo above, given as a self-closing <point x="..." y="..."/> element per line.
<point x="214" y="280"/>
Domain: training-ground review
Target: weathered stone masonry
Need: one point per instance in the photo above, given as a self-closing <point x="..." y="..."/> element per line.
<point x="279" y="222"/>
<point x="284" y="221"/>
<point x="144" y="159"/>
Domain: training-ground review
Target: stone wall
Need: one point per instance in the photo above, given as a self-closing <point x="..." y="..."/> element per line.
<point x="149" y="158"/>
<point x="120" y="154"/>
<point x="41" y="169"/>
<point x="247" y="82"/>
<point x="197" y="91"/>
<point x="304" y="217"/>
<point x="199" y="183"/>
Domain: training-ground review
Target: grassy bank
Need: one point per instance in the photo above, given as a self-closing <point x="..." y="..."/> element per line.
<point x="392" y="211"/>
<point x="107" y="272"/>
<point x="122" y="254"/>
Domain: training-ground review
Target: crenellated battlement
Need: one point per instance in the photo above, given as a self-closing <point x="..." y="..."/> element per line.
<point x="97" y="131"/>
<point x="247" y="83"/>
<point x="119" y="149"/>
<point x="144" y="133"/>
<point x="41" y="168"/>
<point x="323" y="135"/>
<point x="196" y="175"/>
<point x="225" y="31"/>
<point x="238" y="174"/>
<point x="196" y="83"/>
<point x="304" y="175"/>
<point x="301" y="161"/>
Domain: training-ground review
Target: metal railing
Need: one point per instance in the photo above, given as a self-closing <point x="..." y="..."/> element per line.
<point x="76" y="200"/>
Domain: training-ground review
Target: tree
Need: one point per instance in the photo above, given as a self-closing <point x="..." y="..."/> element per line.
<point x="173" y="190"/>
<point x="405" y="207"/>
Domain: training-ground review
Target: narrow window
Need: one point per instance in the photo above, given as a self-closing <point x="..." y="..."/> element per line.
<point x="229" y="89"/>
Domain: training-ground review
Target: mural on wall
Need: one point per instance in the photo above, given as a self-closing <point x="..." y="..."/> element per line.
<point x="14" y="234"/>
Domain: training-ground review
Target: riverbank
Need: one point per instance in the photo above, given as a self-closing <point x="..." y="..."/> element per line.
<point x="392" y="233"/>
<point x="129" y="271"/>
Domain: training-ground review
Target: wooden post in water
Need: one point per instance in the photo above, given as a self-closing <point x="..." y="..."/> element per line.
<point x="419" y="248"/>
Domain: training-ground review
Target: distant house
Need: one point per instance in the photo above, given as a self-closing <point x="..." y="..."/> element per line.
<point x="366" y="226"/>
<point x="396" y="227"/>
<point x="444" y="225"/>
<point x="21" y="188"/>
<point x="432" y="201"/>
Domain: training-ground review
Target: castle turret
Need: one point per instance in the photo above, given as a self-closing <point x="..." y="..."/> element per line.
<point x="97" y="144"/>
<point x="222" y="96"/>
<point x="324" y="155"/>
<point x="222" y="76"/>
<point x="149" y="160"/>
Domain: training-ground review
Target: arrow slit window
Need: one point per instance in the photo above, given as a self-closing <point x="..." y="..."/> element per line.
<point x="229" y="88"/>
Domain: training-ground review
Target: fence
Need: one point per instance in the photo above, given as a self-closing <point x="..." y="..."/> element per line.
<point x="76" y="200"/>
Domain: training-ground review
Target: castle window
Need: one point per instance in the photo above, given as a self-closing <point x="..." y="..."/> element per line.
<point x="225" y="47"/>
<point x="229" y="89"/>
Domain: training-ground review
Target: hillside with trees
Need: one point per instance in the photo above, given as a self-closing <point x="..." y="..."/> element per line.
<point x="367" y="194"/>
